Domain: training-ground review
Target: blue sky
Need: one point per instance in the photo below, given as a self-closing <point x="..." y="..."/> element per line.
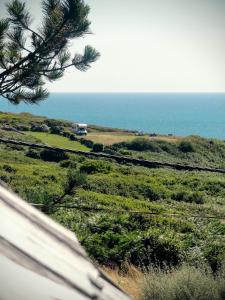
<point x="150" y="46"/>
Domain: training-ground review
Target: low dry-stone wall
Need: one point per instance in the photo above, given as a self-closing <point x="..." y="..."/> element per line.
<point x="119" y="159"/>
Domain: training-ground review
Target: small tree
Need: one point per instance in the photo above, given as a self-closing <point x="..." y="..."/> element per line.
<point x="74" y="180"/>
<point x="28" y="58"/>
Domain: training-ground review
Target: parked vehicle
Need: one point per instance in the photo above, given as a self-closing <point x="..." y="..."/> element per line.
<point x="80" y="129"/>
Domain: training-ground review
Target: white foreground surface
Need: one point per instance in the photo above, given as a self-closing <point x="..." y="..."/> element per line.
<point x="39" y="259"/>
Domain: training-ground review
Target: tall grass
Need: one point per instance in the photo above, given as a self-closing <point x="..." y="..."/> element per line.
<point x="128" y="278"/>
<point x="184" y="283"/>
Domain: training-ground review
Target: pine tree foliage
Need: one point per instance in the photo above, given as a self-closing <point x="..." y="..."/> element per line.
<point x="29" y="58"/>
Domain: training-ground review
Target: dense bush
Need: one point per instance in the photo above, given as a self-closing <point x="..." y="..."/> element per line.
<point x="111" y="150"/>
<point x="98" y="147"/>
<point x="197" y="198"/>
<point x="51" y="155"/>
<point x="87" y="143"/>
<point x="68" y="164"/>
<point x="125" y="152"/>
<point x="215" y="255"/>
<point x="53" y="123"/>
<point x="9" y="169"/>
<point x="56" y="130"/>
<point x="151" y="193"/>
<point x="39" y="127"/>
<point x="143" y="144"/>
<point x="66" y="134"/>
<point x="74" y="180"/>
<point x="170" y="148"/>
<point x="215" y="187"/>
<point x="5" y="178"/>
<point x="22" y="127"/>
<point x="41" y="196"/>
<point x="15" y="147"/>
<point x="114" y="240"/>
<point x="73" y="137"/>
<point x="95" y="166"/>
<point x="123" y="185"/>
<point x="33" y="153"/>
<point x="186" y="146"/>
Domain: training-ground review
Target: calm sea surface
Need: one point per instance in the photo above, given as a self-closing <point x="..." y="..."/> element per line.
<point x="179" y="114"/>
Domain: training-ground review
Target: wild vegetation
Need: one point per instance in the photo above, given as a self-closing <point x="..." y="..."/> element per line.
<point x="124" y="213"/>
<point x="186" y="282"/>
<point x="190" y="150"/>
<point x="183" y="282"/>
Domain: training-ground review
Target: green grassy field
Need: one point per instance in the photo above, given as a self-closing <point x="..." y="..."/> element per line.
<point x="57" y="141"/>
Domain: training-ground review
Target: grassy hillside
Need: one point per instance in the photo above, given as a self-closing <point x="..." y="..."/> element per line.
<point x="127" y="215"/>
<point x="172" y="233"/>
<point x="190" y="150"/>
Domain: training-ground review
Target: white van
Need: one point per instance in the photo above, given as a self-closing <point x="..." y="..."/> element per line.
<point x="80" y="129"/>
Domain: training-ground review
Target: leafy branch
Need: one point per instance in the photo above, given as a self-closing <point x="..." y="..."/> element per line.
<point x="29" y="58"/>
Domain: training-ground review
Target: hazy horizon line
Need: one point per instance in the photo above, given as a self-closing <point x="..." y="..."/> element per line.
<point x="137" y="92"/>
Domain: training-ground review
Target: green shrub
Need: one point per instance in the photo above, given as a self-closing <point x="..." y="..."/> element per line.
<point x="186" y="146"/>
<point x="53" y="122"/>
<point x="73" y="137"/>
<point x="74" y="180"/>
<point x="170" y="148"/>
<point x="120" y="244"/>
<point x="123" y="185"/>
<point x="22" y="127"/>
<point x="142" y="144"/>
<point x="5" y="178"/>
<point x="151" y="194"/>
<point x="111" y="150"/>
<point x="125" y="152"/>
<point x="95" y="166"/>
<point x="33" y="153"/>
<point x="15" y="147"/>
<point x="215" y="255"/>
<point x="195" y="197"/>
<point x="68" y="164"/>
<point x="9" y="169"/>
<point x="39" y="127"/>
<point x="55" y="130"/>
<point x="51" y="155"/>
<point x="40" y="196"/>
<point x="88" y="143"/>
<point x="215" y="188"/>
<point x="98" y="147"/>
<point x="156" y="249"/>
<point x="66" y="134"/>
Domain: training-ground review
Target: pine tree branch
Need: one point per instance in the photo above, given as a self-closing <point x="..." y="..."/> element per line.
<point x="32" y="54"/>
<point x="31" y="30"/>
<point x="22" y="66"/>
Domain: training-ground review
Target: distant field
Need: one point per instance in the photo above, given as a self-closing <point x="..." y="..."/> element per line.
<point x="109" y="138"/>
<point x="165" y="138"/>
<point x="57" y="141"/>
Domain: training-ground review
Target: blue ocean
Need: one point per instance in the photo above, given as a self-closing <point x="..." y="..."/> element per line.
<point x="178" y="114"/>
